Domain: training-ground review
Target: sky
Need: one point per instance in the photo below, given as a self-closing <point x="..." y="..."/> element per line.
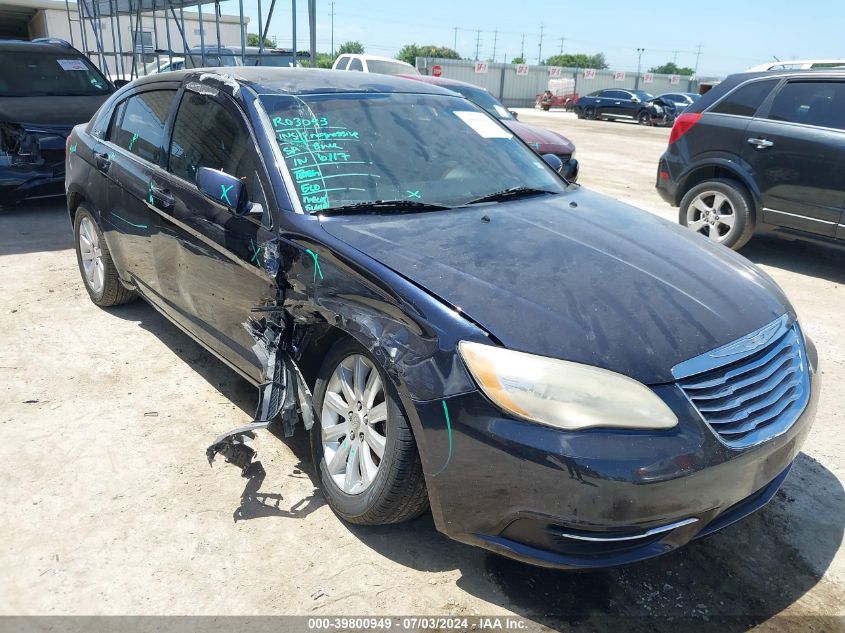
<point x="733" y="34"/>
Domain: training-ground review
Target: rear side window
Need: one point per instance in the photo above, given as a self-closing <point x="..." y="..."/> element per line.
<point x="819" y="103"/>
<point x="745" y="100"/>
<point x="207" y="134"/>
<point x="356" y="64"/>
<point x="138" y="125"/>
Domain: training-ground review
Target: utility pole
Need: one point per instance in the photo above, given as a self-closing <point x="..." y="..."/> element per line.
<point x="540" y="48"/>
<point x="640" y="52"/>
<point x="697" y="57"/>
<point x="522" y="49"/>
<point x="455" y="43"/>
<point x="477" y="42"/>
<point x="675" y="57"/>
<point x="331" y="14"/>
<point x="562" y="40"/>
<point x="495" y="39"/>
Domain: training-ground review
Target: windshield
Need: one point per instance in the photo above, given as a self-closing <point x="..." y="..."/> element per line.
<point x="270" y="59"/>
<point x="213" y="58"/>
<point x="483" y="99"/>
<point x="390" y="68"/>
<point x="37" y="74"/>
<point x="428" y="149"/>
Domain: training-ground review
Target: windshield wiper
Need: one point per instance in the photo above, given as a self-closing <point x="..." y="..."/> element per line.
<point x="513" y="192"/>
<point x="375" y="206"/>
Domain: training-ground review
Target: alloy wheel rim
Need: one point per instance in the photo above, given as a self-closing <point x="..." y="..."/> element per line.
<point x="354" y="424"/>
<point x="712" y="214"/>
<point x="92" y="256"/>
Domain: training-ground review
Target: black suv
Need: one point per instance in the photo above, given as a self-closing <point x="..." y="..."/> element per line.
<point x="46" y="87"/>
<point x="760" y="152"/>
<point x="613" y="103"/>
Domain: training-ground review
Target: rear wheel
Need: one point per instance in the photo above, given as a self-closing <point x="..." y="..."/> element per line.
<point x="362" y="444"/>
<point x="720" y="209"/>
<point x="99" y="273"/>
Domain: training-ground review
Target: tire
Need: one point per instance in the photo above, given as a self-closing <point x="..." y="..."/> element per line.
<point x="397" y="491"/>
<point x="703" y="209"/>
<point x="100" y="278"/>
<point x="644" y="118"/>
<point x="590" y="113"/>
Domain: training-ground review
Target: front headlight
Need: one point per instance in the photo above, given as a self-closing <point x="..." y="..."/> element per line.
<point x="563" y="394"/>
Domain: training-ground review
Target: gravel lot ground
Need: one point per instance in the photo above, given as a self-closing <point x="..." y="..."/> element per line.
<point x="109" y="506"/>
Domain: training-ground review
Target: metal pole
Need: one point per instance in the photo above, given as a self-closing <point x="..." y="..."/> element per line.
<point x="202" y="33"/>
<point x="243" y="33"/>
<point x="169" y="42"/>
<point x="119" y="39"/>
<point x="135" y="32"/>
<point x="640" y="52"/>
<point x="217" y="22"/>
<point x="114" y="40"/>
<point x="81" y="15"/>
<point x="293" y="28"/>
<point x="314" y="64"/>
<point x="182" y="33"/>
<point x="312" y="22"/>
<point x="260" y="25"/>
<point x="70" y="24"/>
<point x="156" y="47"/>
<point x="98" y="34"/>
<point x="269" y="17"/>
<point x="495" y="40"/>
<point x="540" y="48"/>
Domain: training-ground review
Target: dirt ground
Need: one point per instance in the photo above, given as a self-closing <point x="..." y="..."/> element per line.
<point x="108" y="504"/>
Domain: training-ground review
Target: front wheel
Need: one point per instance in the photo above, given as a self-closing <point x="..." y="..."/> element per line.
<point x="362" y="444"/>
<point x="720" y="209"/>
<point x="590" y="113"/>
<point x="644" y="118"/>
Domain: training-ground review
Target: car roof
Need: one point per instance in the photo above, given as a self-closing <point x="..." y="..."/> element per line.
<point x="268" y="79"/>
<point x="377" y="58"/>
<point x="440" y="81"/>
<point x="37" y="47"/>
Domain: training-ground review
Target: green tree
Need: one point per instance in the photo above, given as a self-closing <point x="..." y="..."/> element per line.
<point x="252" y="39"/>
<point x="410" y="52"/>
<point x="351" y="48"/>
<point x="670" y="68"/>
<point x="578" y="60"/>
<point x="518" y="60"/>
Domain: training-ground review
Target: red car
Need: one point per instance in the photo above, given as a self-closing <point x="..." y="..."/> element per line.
<point x="539" y="139"/>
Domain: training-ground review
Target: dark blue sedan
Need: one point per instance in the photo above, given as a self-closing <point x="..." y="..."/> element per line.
<point x="560" y="377"/>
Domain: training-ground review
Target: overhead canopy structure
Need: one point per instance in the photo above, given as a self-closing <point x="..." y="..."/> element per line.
<point x="136" y="11"/>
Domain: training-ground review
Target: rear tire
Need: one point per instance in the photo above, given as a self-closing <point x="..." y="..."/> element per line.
<point x="99" y="273"/>
<point x="397" y="491"/>
<point x="720" y="209"/>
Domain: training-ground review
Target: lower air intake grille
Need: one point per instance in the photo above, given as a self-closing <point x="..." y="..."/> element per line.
<point x="752" y="389"/>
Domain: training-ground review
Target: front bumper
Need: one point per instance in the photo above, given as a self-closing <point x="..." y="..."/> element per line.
<point x="593" y="498"/>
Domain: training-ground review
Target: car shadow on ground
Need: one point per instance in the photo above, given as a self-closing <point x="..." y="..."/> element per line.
<point x="33" y="226"/>
<point x="737" y="578"/>
<point x="805" y="258"/>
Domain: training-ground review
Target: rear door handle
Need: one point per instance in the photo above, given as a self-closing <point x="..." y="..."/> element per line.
<point x="103" y="161"/>
<point x="161" y="197"/>
<point x="760" y="143"/>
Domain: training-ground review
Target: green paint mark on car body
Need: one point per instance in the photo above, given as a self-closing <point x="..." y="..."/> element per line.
<point x="449" y="430"/>
<point x="137" y="226"/>
<point x="132" y="142"/>
<point x="317" y="269"/>
<point x="224" y="193"/>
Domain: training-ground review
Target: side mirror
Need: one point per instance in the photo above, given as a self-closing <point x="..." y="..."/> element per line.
<point x="554" y="162"/>
<point x="119" y="83"/>
<point x="513" y="114"/>
<point x="223" y="189"/>
<point x="635" y="99"/>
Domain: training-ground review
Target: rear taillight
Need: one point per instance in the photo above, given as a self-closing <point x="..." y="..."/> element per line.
<point x="683" y="124"/>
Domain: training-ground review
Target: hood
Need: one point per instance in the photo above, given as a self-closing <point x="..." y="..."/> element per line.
<point x="577" y="276"/>
<point x="43" y="111"/>
<point x="541" y="140"/>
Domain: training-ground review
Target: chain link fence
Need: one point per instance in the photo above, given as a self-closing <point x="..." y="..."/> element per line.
<point x="517" y="85"/>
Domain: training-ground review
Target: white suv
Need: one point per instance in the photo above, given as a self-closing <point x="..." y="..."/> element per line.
<point x="373" y="64"/>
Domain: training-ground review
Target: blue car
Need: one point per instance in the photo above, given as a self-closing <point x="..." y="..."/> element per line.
<point x="559" y="377"/>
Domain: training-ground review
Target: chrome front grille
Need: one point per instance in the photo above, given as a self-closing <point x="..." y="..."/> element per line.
<point x="752" y="389"/>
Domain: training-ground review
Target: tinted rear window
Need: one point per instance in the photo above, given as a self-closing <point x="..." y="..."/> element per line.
<point x="40" y="74"/>
<point x="745" y="100"/>
<point x="139" y="124"/>
<point x="819" y="103"/>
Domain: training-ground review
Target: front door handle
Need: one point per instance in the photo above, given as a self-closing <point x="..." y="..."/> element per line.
<point x="161" y="197"/>
<point x="103" y="161"/>
<point x="760" y="143"/>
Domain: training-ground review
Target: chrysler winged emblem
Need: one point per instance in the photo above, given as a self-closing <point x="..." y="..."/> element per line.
<point x="749" y="343"/>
